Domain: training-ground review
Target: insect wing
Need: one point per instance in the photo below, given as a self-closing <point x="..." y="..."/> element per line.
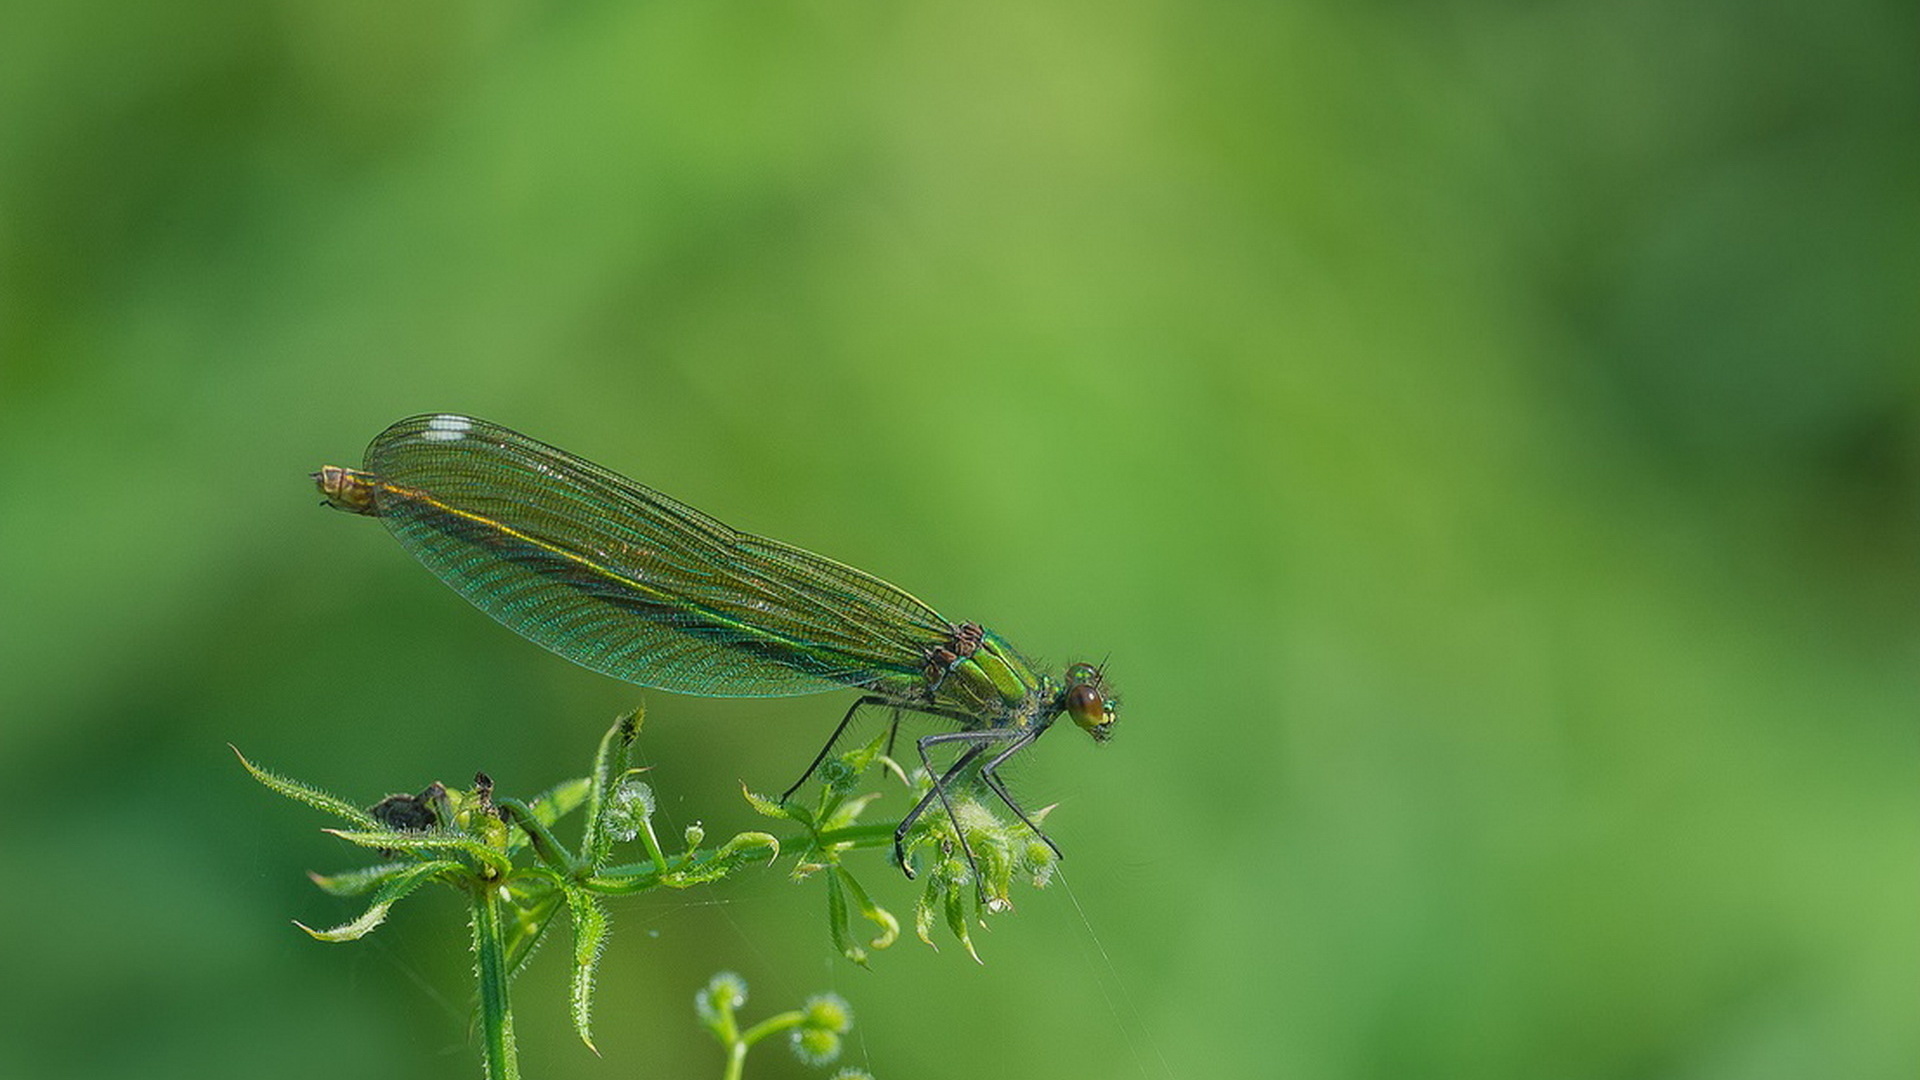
<point x="629" y="582"/>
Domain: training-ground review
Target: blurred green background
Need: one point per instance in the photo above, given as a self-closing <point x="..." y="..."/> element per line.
<point x="1484" y="437"/>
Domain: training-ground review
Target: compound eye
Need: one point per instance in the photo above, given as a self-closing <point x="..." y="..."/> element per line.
<point x="1089" y="710"/>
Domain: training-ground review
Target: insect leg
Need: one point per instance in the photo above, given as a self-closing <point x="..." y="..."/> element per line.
<point x="840" y="729"/>
<point x="893" y="732"/>
<point x="992" y="777"/>
<point x="939" y="792"/>
<point x="981" y="740"/>
<point x="870" y="699"/>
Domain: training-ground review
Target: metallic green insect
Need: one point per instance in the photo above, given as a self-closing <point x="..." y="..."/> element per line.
<point x="624" y="580"/>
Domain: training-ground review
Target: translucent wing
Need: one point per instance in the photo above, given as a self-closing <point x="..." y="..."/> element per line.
<point x="624" y="580"/>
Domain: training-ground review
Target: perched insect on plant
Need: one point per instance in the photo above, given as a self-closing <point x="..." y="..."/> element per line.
<point x="624" y="580"/>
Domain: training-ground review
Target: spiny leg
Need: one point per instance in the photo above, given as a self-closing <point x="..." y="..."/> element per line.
<point x="939" y="792"/>
<point x="893" y="732"/>
<point x="870" y="699"/>
<point x="981" y="740"/>
<point x="840" y="729"/>
<point x="989" y="773"/>
<point x="994" y="783"/>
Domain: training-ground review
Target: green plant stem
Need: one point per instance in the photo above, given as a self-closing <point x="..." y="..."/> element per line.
<point x="490" y="964"/>
<point x="739" y="1042"/>
<point x="770" y="1025"/>
<point x="871" y="835"/>
<point x="630" y="878"/>
<point x="653" y="844"/>
<point x="550" y="850"/>
<point x="857" y="834"/>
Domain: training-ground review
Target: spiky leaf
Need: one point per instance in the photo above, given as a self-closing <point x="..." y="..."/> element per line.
<point x="391" y="892"/>
<point x="306" y="793"/>
<point x="361" y="881"/>
<point x="589" y="940"/>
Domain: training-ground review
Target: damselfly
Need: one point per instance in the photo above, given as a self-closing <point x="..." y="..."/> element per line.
<point x="624" y="580"/>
